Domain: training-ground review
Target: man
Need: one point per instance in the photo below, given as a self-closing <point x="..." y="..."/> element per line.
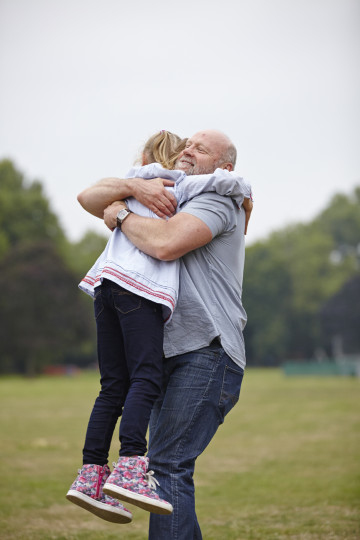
<point x="203" y="344"/>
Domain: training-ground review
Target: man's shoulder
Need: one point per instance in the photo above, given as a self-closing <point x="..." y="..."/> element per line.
<point x="208" y="199"/>
<point x="218" y="212"/>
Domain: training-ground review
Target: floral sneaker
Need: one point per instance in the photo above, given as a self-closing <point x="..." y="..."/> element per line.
<point x="87" y="491"/>
<point x="132" y="482"/>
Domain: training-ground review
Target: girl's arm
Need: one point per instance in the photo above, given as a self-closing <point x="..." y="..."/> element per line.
<point x="150" y="193"/>
<point x="248" y="207"/>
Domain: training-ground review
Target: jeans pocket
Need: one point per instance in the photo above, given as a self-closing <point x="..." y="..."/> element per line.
<point x="230" y="390"/>
<point x="98" y="303"/>
<point x="126" y="301"/>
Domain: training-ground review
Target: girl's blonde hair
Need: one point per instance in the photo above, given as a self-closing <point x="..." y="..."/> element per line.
<point x="164" y="148"/>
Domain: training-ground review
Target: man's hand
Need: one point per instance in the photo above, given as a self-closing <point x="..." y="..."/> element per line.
<point x="248" y="206"/>
<point x="111" y="212"/>
<point x="153" y="195"/>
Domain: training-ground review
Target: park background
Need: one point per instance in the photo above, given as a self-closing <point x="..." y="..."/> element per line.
<point x="83" y="86"/>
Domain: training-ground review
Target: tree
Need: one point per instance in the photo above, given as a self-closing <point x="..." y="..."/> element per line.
<point x="80" y="256"/>
<point x="340" y="318"/>
<point x="292" y="274"/>
<point x="341" y="219"/>
<point x="266" y="297"/>
<point x="43" y="318"/>
<point x="25" y="213"/>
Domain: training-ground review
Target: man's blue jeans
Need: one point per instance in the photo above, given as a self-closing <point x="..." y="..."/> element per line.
<point x="199" y="389"/>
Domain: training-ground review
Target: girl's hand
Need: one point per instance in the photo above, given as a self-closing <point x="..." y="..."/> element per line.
<point x="248" y="206"/>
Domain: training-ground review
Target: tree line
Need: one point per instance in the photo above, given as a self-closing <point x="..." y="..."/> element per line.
<point x="301" y="284"/>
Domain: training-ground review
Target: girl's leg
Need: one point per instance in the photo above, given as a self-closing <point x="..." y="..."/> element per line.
<point x="114" y="379"/>
<point x="142" y="328"/>
<point x="87" y="489"/>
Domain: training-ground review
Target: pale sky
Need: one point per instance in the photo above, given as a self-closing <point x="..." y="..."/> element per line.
<point x="84" y="83"/>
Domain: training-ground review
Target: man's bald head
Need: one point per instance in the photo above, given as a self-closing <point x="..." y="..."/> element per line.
<point x="205" y="151"/>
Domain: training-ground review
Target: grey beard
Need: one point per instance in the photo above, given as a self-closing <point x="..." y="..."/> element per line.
<point x="200" y="170"/>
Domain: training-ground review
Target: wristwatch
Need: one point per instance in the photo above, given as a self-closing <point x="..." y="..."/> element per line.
<point x="122" y="215"/>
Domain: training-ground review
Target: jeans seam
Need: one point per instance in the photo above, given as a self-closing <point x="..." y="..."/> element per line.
<point x="115" y="296"/>
<point x="175" y="522"/>
<point x="98" y="299"/>
<point x="180" y="448"/>
<point x="199" y="406"/>
<point x="232" y="397"/>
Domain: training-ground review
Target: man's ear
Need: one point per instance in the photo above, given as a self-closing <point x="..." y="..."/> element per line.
<point x="227" y="166"/>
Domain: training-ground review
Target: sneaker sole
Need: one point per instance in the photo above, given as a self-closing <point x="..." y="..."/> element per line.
<point x="156" y="507"/>
<point x="101" y="510"/>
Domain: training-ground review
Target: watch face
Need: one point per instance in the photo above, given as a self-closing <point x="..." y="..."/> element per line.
<point x="122" y="214"/>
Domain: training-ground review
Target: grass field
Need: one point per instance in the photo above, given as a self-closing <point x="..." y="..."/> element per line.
<point x="285" y="464"/>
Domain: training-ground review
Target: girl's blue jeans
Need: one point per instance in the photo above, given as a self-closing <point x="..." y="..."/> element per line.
<point x="199" y="389"/>
<point x="130" y="354"/>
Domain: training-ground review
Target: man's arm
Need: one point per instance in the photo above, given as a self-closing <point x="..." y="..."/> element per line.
<point x="166" y="240"/>
<point x="150" y="193"/>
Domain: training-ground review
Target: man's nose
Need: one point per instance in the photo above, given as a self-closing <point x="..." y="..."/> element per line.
<point x="189" y="150"/>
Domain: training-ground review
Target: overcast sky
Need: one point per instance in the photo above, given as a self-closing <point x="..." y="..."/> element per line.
<point x="84" y="83"/>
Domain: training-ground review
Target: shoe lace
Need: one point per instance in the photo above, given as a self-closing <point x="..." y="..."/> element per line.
<point x="151" y="480"/>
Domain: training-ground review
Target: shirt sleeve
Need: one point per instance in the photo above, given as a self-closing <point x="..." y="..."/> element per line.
<point x="222" y="181"/>
<point x="216" y="211"/>
<point x="154" y="170"/>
